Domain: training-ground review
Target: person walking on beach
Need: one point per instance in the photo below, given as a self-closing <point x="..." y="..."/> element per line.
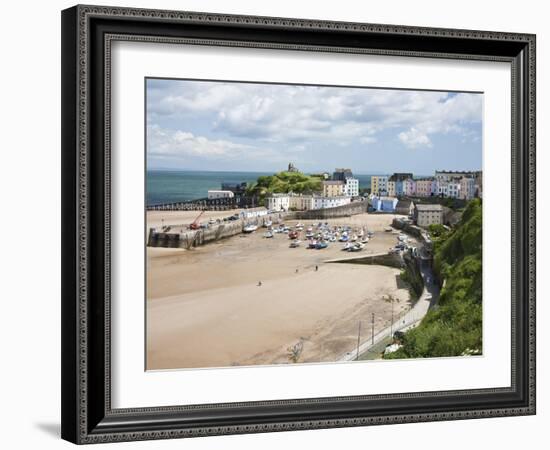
<point x="259" y="283"/>
<point x="316" y="268"/>
<point x="296" y="270"/>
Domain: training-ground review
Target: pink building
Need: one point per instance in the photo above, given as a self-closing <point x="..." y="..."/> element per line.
<point x="409" y="187"/>
<point x="425" y="187"/>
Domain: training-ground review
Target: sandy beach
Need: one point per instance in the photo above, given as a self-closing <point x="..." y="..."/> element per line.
<point x="205" y="308"/>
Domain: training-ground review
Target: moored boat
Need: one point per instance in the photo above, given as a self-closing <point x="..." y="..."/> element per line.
<point x="293" y="235"/>
<point x="250" y="228"/>
<point x="312" y="244"/>
<point x="357" y="247"/>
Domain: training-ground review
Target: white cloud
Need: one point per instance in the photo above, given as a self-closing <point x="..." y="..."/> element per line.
<point x="164" y="142"/>
<point x="414" y="138"/>
<point x="180" y="145"/>
<point x="294" y="115"/>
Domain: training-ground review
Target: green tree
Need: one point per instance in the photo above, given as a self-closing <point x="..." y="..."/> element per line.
<point x="284" y="182"/>
<point x="455" y="327"/>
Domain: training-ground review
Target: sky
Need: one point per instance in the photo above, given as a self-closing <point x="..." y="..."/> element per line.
<point x="230" y="126"/>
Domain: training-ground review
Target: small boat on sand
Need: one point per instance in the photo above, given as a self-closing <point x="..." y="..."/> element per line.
<point x="250" y="228"/>
<point x="295" y="244"/>
<point x="321" y="245"/>
<point x="293" y="235"/>
<point x="268" y="234"/>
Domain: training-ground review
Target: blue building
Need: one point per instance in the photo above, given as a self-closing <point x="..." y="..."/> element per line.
<point x="384" y="204"/>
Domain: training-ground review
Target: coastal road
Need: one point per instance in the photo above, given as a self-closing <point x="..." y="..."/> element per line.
<point x="428" y="298"/>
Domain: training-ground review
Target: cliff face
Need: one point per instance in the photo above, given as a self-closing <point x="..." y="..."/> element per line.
<point x="454" y="327"/>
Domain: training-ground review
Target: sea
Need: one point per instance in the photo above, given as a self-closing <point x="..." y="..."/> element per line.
<point x="169" y="186"/>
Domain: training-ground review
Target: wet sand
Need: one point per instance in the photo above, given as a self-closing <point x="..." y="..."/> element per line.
<point x="205" y="308"/>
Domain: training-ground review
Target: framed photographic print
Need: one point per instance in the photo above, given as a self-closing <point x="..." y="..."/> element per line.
<point x="279" y="224"/>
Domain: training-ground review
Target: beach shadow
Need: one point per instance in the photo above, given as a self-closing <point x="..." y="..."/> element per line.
<point x="400" y="283"/>
<point x="52" y="429"/>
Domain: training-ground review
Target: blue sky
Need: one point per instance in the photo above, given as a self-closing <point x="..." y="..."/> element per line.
<point x="205" y="125"/>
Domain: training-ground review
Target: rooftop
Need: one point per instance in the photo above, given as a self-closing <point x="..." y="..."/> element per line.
<point x="433" y="207"/>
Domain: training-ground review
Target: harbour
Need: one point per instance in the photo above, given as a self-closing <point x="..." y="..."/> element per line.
<point x="248" y="299"/>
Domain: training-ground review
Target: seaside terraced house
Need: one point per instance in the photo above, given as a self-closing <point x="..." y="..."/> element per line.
<point x="467" y="188"/>
<point x="445" y="176"/>
<point x="453" y="188"/>
<point x="398" y="178"/>
<point x="409" y="187"/>
<point x="321" y="202"/>
<point x="379" y="185"/>
<point x="300" y="202"/>
<point x="333" y="188"/>
<point x="277" y="202"/>
<point x="426" y="187"/>
<point x="391" y="188"/>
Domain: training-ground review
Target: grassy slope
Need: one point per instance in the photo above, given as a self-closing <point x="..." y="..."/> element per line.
<point x="455" y="326"/>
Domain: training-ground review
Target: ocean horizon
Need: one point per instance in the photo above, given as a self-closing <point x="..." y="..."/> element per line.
<point x="174" y="185"/>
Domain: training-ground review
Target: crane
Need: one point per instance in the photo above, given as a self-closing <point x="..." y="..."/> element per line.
<point x="195" y="225"/>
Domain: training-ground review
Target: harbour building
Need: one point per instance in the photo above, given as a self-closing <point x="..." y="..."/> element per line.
<point x="426" y="215"/>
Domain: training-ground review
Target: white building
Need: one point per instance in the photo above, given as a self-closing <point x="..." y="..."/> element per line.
<point x="213" y="194"/>
<point x="453" y="189"/>
<point x="442" y="188"/>
<point x="351" y="188"/>
<point x="319" y="202"/>
<point x="278" y="202"/>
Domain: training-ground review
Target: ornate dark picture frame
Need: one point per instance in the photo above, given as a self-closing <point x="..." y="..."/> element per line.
<point x="87" y="34"/>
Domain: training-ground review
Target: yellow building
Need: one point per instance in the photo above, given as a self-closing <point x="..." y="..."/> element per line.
<point x="379" y="185"/>
<point x="391" y="188"/>
<point x="333" y="188"/>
